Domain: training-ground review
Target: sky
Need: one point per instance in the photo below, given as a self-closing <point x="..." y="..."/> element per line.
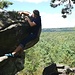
<point x="51" y="17"/>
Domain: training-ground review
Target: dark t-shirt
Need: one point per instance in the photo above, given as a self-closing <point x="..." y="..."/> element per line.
<point x="35" y="28"/>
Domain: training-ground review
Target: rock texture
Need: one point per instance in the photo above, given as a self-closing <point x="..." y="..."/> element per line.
<point x="58" y="69"/>
<point x="12" y="30"/>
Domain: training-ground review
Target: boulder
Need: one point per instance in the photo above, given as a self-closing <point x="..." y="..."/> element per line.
<point x="12" y="31"/>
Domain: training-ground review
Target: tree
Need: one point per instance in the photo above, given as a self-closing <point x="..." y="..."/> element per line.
<point x="4" y="4"/>
<point x="68" y="6"/>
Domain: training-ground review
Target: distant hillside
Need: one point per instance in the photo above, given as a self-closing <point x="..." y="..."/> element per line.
<point x="58" y="29"/>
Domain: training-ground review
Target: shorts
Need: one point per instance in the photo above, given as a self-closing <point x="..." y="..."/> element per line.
<point x="27" y="39"/>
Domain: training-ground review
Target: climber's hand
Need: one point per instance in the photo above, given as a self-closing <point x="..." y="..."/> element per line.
<point x="26" y="18"/>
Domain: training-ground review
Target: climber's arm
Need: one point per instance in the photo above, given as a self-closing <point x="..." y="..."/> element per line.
<point x="29" y="21"/>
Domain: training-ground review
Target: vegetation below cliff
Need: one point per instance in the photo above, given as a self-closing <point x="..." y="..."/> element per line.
<point x="58" y="47"/>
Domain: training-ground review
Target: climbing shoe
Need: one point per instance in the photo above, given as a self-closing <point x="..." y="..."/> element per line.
<point x="9" y="55"/>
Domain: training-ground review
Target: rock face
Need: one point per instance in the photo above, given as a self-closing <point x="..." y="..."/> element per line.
<point x="11" y="33"/>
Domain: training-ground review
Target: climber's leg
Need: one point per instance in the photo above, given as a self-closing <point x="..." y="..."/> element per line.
<point x="23" y="43"/>
<point x="19" y="48"/>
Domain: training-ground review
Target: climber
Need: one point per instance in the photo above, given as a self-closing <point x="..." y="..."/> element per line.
<point x="35" y="24"/>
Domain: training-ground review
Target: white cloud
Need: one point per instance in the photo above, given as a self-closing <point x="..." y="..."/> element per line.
<point x="56" y="21"/>
<point x="32" y="1"/>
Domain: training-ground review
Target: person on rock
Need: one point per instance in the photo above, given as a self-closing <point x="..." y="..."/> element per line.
<point x="35" y="24"/>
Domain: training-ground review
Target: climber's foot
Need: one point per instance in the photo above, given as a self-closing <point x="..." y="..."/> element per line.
<point x="3" y="58"/>
<point x="9" y="55"/>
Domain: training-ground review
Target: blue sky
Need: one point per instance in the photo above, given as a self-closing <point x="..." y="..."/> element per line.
<point x="51" y="17"/>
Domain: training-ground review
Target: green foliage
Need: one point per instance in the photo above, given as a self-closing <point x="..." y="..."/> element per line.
<point x="5" y="4"/>
<point x="58" y="47"/>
